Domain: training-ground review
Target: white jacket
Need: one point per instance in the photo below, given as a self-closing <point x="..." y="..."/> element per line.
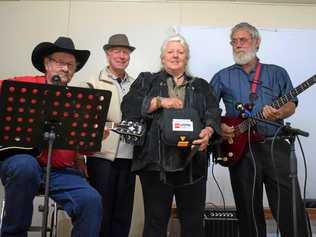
<point x="112" y="146"/>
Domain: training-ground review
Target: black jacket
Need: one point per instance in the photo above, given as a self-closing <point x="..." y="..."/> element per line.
<point x="135" y="104"/>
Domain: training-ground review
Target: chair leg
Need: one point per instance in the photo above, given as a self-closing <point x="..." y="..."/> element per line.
<point x="51" y="224"/>
<point x="1" y="216"/>
<point x="54" y="220"/>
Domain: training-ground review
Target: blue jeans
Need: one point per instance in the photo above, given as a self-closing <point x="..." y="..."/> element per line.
<point x="22" y="176"/>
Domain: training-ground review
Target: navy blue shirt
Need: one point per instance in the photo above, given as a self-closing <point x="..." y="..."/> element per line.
<point x="233" y="85"/>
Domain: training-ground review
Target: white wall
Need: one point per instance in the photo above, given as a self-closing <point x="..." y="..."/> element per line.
<point x="24" y="24"/>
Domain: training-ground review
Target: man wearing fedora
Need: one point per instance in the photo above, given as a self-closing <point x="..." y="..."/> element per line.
<point x="22" y="173"/>
<point x="109" y="170"/>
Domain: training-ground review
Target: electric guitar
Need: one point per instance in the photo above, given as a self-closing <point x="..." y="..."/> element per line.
<point x="232" y="150"/>
<point x="132" y="133"/>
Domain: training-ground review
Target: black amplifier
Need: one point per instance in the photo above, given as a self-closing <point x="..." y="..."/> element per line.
<point x="221" y="222"/>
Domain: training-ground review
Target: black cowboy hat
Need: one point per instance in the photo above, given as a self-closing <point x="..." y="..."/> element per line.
<point x="118" y="40"/>
<point x="62" y="44"/>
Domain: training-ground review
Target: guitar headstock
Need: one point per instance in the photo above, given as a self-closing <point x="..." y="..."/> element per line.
<point x="132" y="132"/>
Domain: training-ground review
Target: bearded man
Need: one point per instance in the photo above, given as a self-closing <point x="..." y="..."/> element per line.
<point x="256" y="85"/>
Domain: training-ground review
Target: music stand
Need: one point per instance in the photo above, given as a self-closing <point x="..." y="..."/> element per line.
<point x="69" y="118"/>
<point x="291" y="134"/>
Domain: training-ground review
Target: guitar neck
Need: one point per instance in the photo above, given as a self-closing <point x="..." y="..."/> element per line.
<point x="111" y="124"/>
<point x="243" y="127"/>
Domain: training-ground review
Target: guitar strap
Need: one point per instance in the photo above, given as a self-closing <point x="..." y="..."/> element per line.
<point x="254" y="83"/>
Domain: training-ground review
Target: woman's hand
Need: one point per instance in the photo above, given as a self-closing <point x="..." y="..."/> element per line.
<point x="166" y="103"/>
<point x="171" y="102"/>
<point x="204" y="135"/>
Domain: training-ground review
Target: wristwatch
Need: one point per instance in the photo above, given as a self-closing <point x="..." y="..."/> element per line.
<point x="158" y="102"/>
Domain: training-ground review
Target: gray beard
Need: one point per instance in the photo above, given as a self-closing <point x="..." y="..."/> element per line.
<point x="244" y="58"/>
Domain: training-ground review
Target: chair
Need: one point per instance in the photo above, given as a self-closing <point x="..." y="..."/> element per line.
<point x="52" y="227"/>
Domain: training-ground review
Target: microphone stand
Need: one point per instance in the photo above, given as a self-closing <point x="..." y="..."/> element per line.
<point x="291" y="134"/>
<point x="50" y="136"/>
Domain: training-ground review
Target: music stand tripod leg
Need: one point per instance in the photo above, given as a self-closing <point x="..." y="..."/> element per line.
<point x="293" y="177"/>
<point x="50" y="136"/>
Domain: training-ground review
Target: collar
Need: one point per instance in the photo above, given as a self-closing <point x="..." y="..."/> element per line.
<point x="112" y="76"/>
<point x="170" y="78"/>
<point x="108" y="76"/>
<point x="166" y="75"/>
<point x="239" y="66"/>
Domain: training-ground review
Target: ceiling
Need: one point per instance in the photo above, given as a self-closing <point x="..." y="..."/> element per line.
<point x="237" y="1"/>
<point x="259" y="1"/>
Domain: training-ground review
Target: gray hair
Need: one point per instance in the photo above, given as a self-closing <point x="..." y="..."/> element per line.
<point x="246" y="26"/>
<point x="175" y="38"/>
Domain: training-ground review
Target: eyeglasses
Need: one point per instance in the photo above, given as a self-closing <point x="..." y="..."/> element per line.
<point x="70" y="66"/>
<point x="241" y="41"/>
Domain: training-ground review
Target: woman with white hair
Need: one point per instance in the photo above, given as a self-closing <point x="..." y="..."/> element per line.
<point x="166" y="170"/>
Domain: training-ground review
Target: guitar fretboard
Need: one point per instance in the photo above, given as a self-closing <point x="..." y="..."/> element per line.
<point x="243" y="127"/>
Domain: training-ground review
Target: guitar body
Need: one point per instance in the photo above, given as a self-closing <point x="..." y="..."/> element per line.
<point x="232" y="150"/>
<point x="132" y="132"/>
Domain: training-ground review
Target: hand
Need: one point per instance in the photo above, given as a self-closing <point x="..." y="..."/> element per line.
<point x="204" y="135"/>
<point x="168" y="103"/>
<point x="106" y="133"/>
<point x="227" y="131"/>
<point x="271" y="113"/>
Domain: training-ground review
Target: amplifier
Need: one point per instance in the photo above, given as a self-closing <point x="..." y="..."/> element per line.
<point x="221" y="222"/>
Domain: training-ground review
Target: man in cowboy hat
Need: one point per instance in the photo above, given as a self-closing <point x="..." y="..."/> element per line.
<point x="109" y="170"/>
<point x="22" y="173"/>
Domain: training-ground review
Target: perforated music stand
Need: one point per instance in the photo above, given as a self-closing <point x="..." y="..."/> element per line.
<point x="46" y="116"/>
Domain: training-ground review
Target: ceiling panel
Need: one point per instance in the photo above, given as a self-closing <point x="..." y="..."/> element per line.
<point x="236" y="1"/>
